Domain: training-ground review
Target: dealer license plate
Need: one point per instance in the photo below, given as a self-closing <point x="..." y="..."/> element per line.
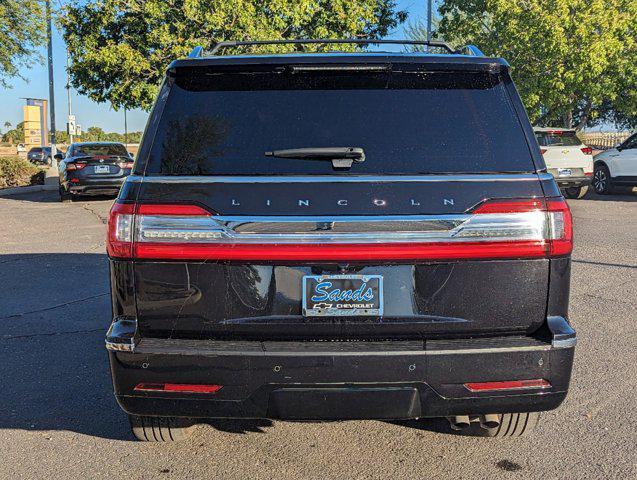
<point x="342" y="295"/>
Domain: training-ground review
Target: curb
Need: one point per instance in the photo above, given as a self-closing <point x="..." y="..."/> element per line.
<point x="8" y="192"/>
<point x="51" y="182"/>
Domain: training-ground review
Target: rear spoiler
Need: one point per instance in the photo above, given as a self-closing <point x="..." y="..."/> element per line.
<point x="468" y="57"/>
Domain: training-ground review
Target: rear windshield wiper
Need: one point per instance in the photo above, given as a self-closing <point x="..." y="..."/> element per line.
<point x="341" y="157"/>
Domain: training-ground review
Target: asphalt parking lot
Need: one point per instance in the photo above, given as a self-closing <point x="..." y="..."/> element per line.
<point x="59" y="418"/>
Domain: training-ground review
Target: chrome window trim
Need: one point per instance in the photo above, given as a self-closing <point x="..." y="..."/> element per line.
<point x="513" y="177"/>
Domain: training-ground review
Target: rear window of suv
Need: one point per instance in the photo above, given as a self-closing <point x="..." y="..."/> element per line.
<point x="406" y="122"/>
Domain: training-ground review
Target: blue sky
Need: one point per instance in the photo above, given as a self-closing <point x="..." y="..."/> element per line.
<point x="89" y="113"/>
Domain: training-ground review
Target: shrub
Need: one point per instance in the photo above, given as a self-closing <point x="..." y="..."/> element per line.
<point x="17" y="172"/>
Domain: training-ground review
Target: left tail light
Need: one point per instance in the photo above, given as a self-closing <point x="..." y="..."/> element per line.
<point x="527" y="228"/>
<point x="75" y="166"/>
<point x="121" y="221"/>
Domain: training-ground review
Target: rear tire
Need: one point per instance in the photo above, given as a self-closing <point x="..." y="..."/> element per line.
<point x="601" y="180"/>
<point x="513" y="425"/>
<point x="65" y="197"/>
<point x="160" y="429"/>
<point x="575" y="192"/>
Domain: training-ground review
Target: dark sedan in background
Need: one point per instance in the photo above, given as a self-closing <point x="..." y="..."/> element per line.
<point x="40" y="155"/>
<point x="96" y="168"/>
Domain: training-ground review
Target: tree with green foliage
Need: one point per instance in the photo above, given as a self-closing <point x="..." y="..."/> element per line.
<point x="22" y="31"/>
<point x="573" y="61"/>
<point x="15" y="135"/>
<point x="121" y="48"/>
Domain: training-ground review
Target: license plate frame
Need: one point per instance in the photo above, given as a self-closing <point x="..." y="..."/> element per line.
<point x="313" y="307"/>
<point x="102" y="169"/>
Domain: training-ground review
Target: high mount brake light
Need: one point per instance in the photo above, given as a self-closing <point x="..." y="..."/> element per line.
<point x="529" y="228"/>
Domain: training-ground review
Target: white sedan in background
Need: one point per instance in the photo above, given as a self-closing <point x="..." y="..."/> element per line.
<point x="616" y="167"/>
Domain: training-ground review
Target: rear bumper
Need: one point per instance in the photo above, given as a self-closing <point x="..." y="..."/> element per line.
<point x="96" y="187"/>
<point x="333" y="380"/>
<point x="568" y="182"/>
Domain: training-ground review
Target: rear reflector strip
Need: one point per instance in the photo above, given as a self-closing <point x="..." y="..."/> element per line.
<point x="531" y="228"/>
<point x="177" y="387"/>
<point x="344" y="252"/>
<point x="507" y="385"/>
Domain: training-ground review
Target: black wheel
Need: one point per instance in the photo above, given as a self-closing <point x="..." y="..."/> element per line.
<point x="601" y="180"/>
<point x="160" y="429"/>
<point x="575" y="192"/>
<point x="65" y="197"/>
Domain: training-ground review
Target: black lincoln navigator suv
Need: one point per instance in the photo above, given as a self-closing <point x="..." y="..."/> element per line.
<point x="367" y="235"/>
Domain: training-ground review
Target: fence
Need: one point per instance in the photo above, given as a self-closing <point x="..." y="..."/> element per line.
<point x="603" y="140"/>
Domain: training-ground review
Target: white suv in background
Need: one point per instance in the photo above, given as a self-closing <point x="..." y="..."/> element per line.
<point x="616" y="167"/>
<point x="567" y="158"/>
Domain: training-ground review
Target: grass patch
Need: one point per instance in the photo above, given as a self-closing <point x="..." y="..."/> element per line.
<point x="18" y="172"/>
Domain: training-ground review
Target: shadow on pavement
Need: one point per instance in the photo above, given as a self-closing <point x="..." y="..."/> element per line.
<point x="240" y="426"/>
<point x="52" y="196"/>
<point x="622" y="195"/>
<point x="54" y="367"/>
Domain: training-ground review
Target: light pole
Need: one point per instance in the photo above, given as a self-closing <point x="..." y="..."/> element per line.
<point x="429" y="20"/>
<point x="68" y="94"/>
<point x="54" y="162"/>
<point x="125" y="130"/>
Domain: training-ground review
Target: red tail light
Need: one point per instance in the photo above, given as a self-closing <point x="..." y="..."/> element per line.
<point x="560" y="228"/>
<point x="119" y="231"/>
<point x="507" y="385"/>
<point x="529" y="228"/>
<point x="125" y="165"/>
<point x="587" y="150"/>
<point x="177" y="387"/>
<point x="588" y="174"/>
<point x="542" y="151"/>
<point x="75" y="166"/>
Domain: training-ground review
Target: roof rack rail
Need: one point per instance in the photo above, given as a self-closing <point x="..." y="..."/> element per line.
<point x="471" y="50"/>
<point x="198" y="51"/>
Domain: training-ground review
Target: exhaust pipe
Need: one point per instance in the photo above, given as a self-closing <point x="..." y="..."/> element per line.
<point x="489" y="421"/>
<point x="459" y="422"/>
